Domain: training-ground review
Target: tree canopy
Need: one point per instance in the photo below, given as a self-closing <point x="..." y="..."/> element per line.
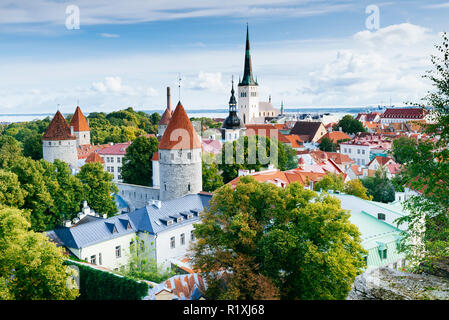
<point x="379" y="187"/>
<point x="427" y="170"/>
<point x="137" y="166"/>
<point x="253" y="153"/>
<point x="276" y="243"/>
<point x="31" y="267"/>
<point x="327" y="145"/>
<point x="349" y="125"/>
<point x="403" y="148"/>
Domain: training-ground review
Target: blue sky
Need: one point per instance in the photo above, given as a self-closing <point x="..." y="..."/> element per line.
<point x="306" y="53"/>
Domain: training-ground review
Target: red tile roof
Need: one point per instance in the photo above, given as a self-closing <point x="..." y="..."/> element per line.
<point x="266" y="130"/>
<point x="166" y="117"/>
<point x="295" y="140"/>
<point x="335" y="136"/>
<point x="85" y="150"/>
<point x="94" y="157"/>
<point x="116" y="149"/>
<point x="58" y="129"/>
<point x="180" y="133"/>
<point x="79" y="122"/>
<point x="404" y="113"/>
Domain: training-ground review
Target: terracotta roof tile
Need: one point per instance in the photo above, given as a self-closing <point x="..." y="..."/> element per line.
<point x="180" y="133"/>
<point x="336" y="136"/>
<point x="116" y="149"/>
<point x="58" y="129"/>
<point x="404" y="113"/>
<point x="79" y="121"/>
<point x="166" y="117"/>
<point x="94" y="157"/>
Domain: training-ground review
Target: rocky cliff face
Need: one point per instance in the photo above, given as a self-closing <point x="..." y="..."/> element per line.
<point x="389" y="284"/>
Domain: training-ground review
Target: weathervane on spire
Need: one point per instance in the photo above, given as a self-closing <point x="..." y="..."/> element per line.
<point x="179" y="86"/>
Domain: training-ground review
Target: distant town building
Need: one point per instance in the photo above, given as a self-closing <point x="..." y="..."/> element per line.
<point x="395" y="115"/>
<point x="233" y="126"/>
<point x="250" y="109"/>
<point x="309" y="131"/>
<point x="113" y="159"/>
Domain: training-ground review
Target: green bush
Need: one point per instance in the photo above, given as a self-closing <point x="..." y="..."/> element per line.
<point x="101" y="285"/>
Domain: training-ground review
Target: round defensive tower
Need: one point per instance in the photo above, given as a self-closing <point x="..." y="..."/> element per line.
<point x="180" y="171"/>
<point x="59" y="142"/>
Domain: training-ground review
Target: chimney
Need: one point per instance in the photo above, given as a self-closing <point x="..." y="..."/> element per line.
<point x="168" y="98"/>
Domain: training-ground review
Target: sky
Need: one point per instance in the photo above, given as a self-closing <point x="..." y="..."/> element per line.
<point x="125" y="53"/>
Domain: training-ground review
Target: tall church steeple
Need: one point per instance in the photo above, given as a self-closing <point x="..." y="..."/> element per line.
<point x="248" y="79"/>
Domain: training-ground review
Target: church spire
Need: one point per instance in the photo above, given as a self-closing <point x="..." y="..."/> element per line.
<point x="232" y="100"/>
<point x="248" y="71"/>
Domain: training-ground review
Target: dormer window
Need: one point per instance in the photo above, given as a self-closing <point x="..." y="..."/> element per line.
<point x="179" y="219"/>
<point x="381" y="216"/>
<point x="190" y="216"/>
<point x="169" y="222"/>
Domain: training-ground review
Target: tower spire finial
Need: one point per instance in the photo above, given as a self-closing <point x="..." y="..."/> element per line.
<point x="247" y="72"/>
<point x="179" y="86"/>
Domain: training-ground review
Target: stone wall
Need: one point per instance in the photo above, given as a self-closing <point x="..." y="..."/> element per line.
<point x="137" y="196"/>
<point x="64" y="150"/>
<point x="179" y="173"/>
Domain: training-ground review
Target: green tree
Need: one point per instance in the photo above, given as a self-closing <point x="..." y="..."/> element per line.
<point x="349" y="125"/>
<point x="379" y="187"/>
<point x="327" y="145"/>
<point x="32" y="265"/>
<point x="330" y="181"/>
<point x="142" y="263"/>
<point x="291" y="243"/>
<point x="356" y="188"/>
<point x="11" y="193"/>
<point x="403" y="148"/>
<point x="137" y="166"/>
<point x="212" y="179"/>
<point x="38" y="199"/>
<point x="10" y="150"/>
<point x="427" y="171"/>
<point x="99" y="188"/>
<point x="252" y="153"/>
<point x="32" y="146"/>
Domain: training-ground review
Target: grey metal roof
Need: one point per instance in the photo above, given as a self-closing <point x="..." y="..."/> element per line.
<point x="147" y="219"/>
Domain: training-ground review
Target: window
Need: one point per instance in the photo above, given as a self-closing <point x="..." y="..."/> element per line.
<point x="189" y="156"/>
<point x="384" y="254"/>
<point x="381" y="216"/>
<point x="119" y="177"/>
<point x="118" y="252"/>
<point x="112" y="159"/>
<point x="49" y="143"/>
<point x="118" y="159"/>
<point x="192" y="236"/>
<point x="172" y="242"/>
<point x="358" y="151"/>
<point x="183" y="238"/>
<point x="99" y="259"/>
<point x="112" y="169"/>
<point x="59" y="142"/>
<point x="188" y="187"/>
<point x="363" y="151"/>
<point x="93" y="259"/>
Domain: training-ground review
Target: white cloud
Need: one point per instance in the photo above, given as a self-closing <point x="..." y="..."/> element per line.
<point x="207" y="81"/>
<point x="404" y="34"/>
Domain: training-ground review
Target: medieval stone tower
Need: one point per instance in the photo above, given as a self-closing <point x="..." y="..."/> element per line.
<point x="179" y="158"/>
<point x="248" y="96"/>
<point x="59" y="142"/>
<point x="80" y="127"/>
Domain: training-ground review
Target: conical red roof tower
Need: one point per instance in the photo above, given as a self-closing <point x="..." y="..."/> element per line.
<point x="180" y="133"/>
<point x="58" y="129"/>
<point x="79" y="121"/>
